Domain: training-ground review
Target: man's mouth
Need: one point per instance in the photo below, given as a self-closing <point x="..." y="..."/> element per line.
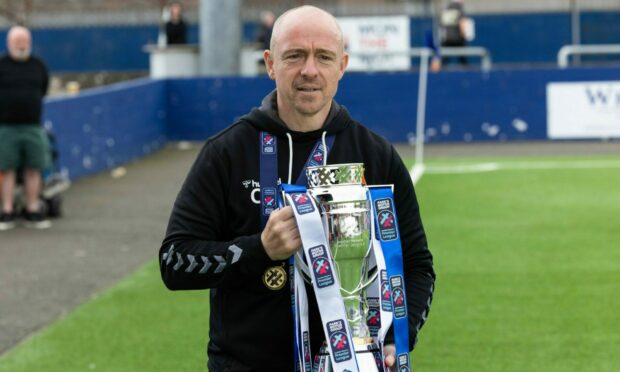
<point x="308" y="89"/>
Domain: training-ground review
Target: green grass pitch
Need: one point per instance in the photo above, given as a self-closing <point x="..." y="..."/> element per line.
<point x="528" y="265"/>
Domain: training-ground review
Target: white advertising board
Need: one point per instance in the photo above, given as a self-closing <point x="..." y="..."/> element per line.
<point x="370" y="40"/>
<point x="587" y="109"/>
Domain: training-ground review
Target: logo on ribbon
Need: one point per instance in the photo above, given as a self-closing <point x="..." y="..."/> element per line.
<point x="268" y="200"/>
<point x="373" y="319"/>
<point x="341" y="347"/>
<point x="302" y="203"/>
<point x="306" y="338"/>
<point x="317" y="156"/>
<point x="398" y="297"/>
<point x="386" y="220"/>
<point x="378" y="360"/>
<point x="386" y="294"/>
<point x="268" y="143"/>
<point x="321" y="266"/>
<point x="403" y="362"/>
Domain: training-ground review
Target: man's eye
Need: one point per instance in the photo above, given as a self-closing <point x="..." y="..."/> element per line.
<point x="326" y="58"/>
<point x="293" y="56"/>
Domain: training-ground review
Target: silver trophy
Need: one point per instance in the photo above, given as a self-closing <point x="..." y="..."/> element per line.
<point x="341" y="196"/>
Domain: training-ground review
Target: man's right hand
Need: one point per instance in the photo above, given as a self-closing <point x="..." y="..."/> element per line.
<point x="280" y="237"/>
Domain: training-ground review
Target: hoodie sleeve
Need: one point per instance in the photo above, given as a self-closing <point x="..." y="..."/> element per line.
<point x="417" y="259"/>
<point x="194" y="253"/>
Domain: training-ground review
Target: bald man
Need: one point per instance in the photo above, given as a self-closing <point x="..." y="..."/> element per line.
<point x="223" y="233"/>
<point x="23" y="141"/>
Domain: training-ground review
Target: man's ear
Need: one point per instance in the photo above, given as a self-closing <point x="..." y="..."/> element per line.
<point x="343" y="64"/>
<point x="268" y="58"/>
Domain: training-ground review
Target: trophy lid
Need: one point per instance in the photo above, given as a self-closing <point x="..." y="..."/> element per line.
<point x="335" y="175"/>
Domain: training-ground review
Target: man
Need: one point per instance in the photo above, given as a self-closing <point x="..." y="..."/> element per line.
<point x="263" y="36"/>
<point x="23" y="141"/>
<point x="452" y="28"/>
<point x="214" y="238"/>
<point x="176" y="29"/>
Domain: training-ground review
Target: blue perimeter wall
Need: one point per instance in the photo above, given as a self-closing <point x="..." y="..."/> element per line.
<point x="512" y="38"/>
<point x="104" y="128"/>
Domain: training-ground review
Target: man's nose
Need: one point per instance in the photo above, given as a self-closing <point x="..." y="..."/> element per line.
<point x="309" y="69"/>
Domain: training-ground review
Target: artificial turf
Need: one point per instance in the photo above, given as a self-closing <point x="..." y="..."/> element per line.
<point x="528" y="266"/>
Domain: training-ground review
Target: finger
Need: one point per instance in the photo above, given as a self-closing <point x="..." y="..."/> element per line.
<point x="290" y="226"/>
<point x="287" y="212"/>
<point x="295" y="243"/>
<point x="390" y="360"/>
<point x="291" y="238"/>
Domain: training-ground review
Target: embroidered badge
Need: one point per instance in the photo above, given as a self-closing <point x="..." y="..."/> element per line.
<point x="386" y="219"/>
<point x="398" y="297"/>
<point x="341" y="347"/>
<point x="302" y="203"/>
<point x="386" y="295"/>
<point x="274" y="278"/>
<point x="321" y="267"/>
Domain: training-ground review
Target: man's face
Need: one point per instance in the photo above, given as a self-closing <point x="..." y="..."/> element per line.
<point x="175" y="12"/>
<point x="307" y="62"/>
<point x="19" y="46"/>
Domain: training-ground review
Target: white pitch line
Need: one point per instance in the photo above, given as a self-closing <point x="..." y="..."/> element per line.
<point x="463" y="168"/>
<point x="529" y="165"/>
<point x="416" y="172"/>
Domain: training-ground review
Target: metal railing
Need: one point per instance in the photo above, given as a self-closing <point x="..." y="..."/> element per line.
<point x="567" y="50"/>
<point x="483" y="53"/>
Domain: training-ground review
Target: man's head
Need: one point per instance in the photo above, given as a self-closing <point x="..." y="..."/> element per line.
<point x="176" y="12"/>
<point x="19" y="43"/>
<point x="307" y="60"/>
<point x="267" y="18"/>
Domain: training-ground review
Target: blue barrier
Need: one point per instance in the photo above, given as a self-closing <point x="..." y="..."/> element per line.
<point x="199" y="108"/>
<point x="106" y="127"/>
<point x="501" y="105"/>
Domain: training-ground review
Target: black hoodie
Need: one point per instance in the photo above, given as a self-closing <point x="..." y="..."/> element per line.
<point x="213" y="236"/>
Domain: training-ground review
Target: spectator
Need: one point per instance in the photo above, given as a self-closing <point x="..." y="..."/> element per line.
<point x="23" y="140"/>
<point x="263" y="36"/>
<point x="453" y="28"/>
<point x="176" y="28"/>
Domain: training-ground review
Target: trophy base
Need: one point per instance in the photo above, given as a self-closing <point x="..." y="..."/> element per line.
<point x="367" y="353"/>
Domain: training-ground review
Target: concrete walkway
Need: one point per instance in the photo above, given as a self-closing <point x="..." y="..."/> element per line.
<point x="111" y="226"/>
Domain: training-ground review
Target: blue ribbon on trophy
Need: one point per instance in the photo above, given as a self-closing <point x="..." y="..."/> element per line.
<point x="351" y="255"/>
<point x="353" y="258"/>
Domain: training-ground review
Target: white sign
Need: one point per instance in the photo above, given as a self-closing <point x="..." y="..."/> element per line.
<point x="589" y="109"/>
<point x="377" y="43"/>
